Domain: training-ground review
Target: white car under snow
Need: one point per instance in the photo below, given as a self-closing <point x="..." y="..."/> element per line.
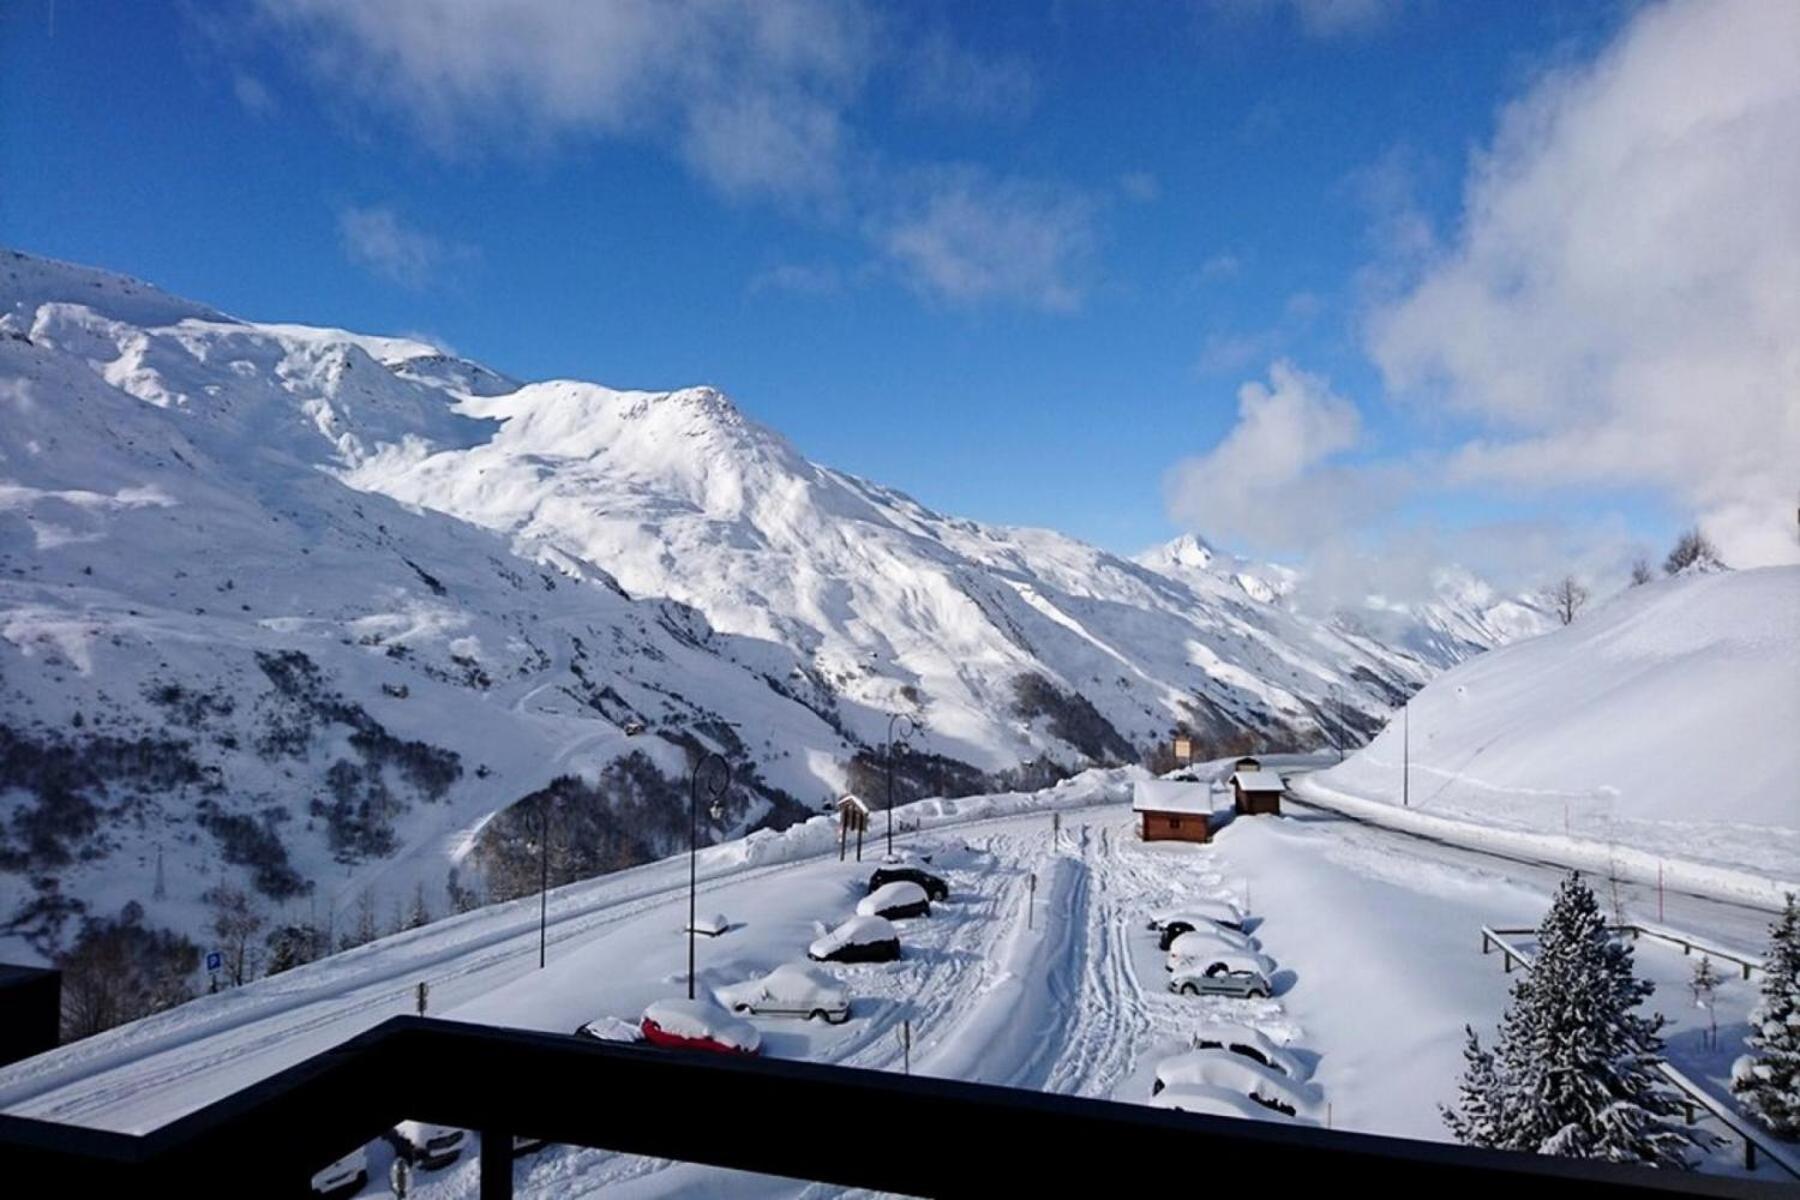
<point x="1197" y="943"/>
<point x="790" y="990"/>
<point x="1214" y="1102"/>
<point x="1214" y="958"/>
<point x="1234" y="1073"/>
<point x="860" y="939"/>
<point x="1195" y="913"/>
<point x="1247" y="1041"/>
<point x="895" y="901"/>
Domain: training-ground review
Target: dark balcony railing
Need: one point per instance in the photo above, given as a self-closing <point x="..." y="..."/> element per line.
<point x="856" y="1128"/>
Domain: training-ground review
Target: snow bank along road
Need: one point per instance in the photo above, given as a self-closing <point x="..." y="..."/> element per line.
<point x="1058" y="987"/>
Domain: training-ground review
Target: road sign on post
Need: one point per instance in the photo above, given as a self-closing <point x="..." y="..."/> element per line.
<point x="424" y="991"/>
<point x="1030" y="899"/>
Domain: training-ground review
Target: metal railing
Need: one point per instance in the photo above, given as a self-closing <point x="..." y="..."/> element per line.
<point x="836" y="1125"/>
<point x="1694" y="1095"/>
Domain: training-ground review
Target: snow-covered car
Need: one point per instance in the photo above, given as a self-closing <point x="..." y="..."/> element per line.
<point x="895" y="901"/>
<point x="426" y="1145"/>
<point x="790" y="990"/>
<point x="611" y="1029"/>
<point x="1212" y="958"/>
<point x="345" y="1177"/>
<point x="1196" y="942"/>
<point x="1223" y="1069"/>
<point x="1195" y="914"/>
<point x="684" y="1024"/>
<point x="1241" y="984"/>
<point x="935" y="887"/>
<point x="1251" y="1043"/>
<point x="1213" y="1101"/>
<point x="860" y="939"/>
<point x="711" y="926"/>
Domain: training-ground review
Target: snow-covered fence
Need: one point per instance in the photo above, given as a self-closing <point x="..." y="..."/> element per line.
<point x="1693" y="1094"/>
<point x="1491" y="938"/>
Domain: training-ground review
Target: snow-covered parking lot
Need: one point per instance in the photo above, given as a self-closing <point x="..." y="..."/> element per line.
<point x="1040" y="972"/>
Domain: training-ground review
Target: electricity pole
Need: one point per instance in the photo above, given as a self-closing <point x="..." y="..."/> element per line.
<point x="912" y="727"/>
<point x="715" y="790"/>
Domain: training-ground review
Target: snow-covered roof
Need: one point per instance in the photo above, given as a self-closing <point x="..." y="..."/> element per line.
<point x="852" y="801"/>
<point x="1258" y="781"/>
<point x="1170" y="796"/>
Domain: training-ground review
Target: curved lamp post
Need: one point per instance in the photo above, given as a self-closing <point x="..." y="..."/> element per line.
<point x="911" y="727"/>
<point x="714" y="774"/>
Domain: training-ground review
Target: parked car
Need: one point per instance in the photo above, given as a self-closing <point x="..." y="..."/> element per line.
<point x="1197" y="913"/>
<point x="1194" y="942"/>
<point x="1223" y="1069"/>
<point x="790" y="990"/>
<point x="860" y="939"/>
<point x="1213" y="1101"/>
<point x="425" y="1145"/>
<point x="527" y="1145"/>
<point x="345" y="1177"/>
<point x="1250" y="1043"/>
<point x="895" y="901"/>
<point x="1212" y="958"/>
<point x="684" y="1024"/>
<point x="936" y="888"/>
<point x="1192" y="922"/>
<point x="611" y="1029"/>
<point x="1239" y="983"/>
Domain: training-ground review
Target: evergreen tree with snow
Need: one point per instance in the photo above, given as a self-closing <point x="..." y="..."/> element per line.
<point x="1767" y="1080"/>
<point x="1574" y="1070"/>
<point x="1473" y="1119"/>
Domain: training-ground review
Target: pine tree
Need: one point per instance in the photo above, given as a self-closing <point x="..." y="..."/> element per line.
<point x="1473" y="1119"/>
<point x="1574" y="1070"/>
<point x="1767" y="1080"/>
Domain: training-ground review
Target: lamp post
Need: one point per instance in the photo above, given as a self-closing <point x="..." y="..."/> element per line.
<point x="718" y="781"/>
<point x="911" y="728"/>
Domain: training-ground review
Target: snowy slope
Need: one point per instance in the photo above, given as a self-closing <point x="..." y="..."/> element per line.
<point x="320" y="604"/>
<point x="1662" y="722"/>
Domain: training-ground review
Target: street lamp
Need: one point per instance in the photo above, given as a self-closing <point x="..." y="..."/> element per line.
<point x="911" y="728"/>
<point x="718" y="780"/>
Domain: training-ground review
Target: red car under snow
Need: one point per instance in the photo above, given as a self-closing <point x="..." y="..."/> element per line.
<point x="698" y="1025"/>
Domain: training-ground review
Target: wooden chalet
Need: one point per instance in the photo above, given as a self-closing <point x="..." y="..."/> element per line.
<point x="1172" y="810"/>
<point x="1256" y="791"/>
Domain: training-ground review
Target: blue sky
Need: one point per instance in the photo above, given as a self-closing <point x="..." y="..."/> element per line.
<point x="1017" y="260"/>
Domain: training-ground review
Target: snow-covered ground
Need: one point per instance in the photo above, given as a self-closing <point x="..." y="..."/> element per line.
<point x="1040" y="972"/>
<point x="1655" y="734"/>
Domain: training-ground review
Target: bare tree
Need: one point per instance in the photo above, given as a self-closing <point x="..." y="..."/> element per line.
<point x="237" y="919"/>
<point x="421" y="909"/>
<point x="1692" y="549"/>
<point x="1566" y="597"/>
<point x="1641" y="572"/>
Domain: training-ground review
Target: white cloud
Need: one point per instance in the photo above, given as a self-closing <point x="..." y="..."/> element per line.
<point x="376" y="238"/>
<point x="968" y="236"/>
<point x="1620" y="305"/>
<point x="1222" y="266"/>
<point x="253" y="94"/>
<point x="1324" y="18"/>
<point x="942" y="77"/>
<point x="1141" y="186"/>
<point x="751" y="95"/>
<point x="1276" y="479"/>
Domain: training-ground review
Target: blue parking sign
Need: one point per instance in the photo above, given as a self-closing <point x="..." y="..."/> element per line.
<point x="214" y="960"/>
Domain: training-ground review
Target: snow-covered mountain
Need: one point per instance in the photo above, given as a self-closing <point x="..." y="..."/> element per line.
<point x="1464" y="615"/>
<point x="1661" y="723"/>
<point x="308" y="608"/>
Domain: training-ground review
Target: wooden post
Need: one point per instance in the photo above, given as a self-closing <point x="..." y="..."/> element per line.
<point x="496" y="1165"/>
<point x="859" y="833"/>
<point x="844" y="834"/>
